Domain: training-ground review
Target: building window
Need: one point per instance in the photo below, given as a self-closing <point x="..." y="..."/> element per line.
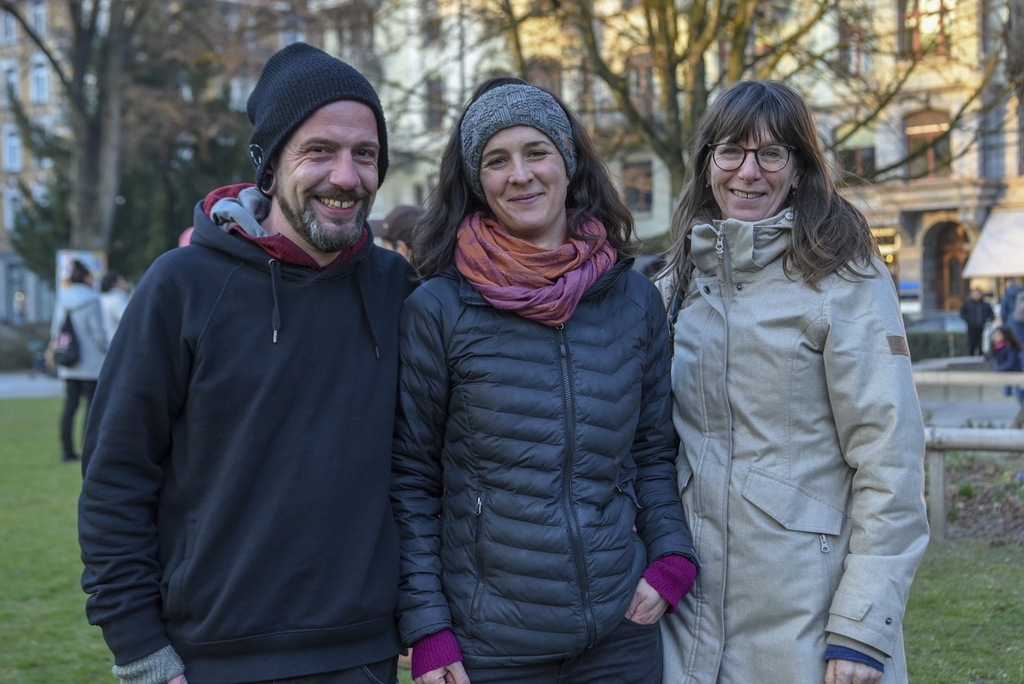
<point x="292" y="32"/>
<point x="434" y="118"/>
<point x="640" y="76"/>
<point x="852" y="51"/>
<point x="39" y="80"/>
<point x="12" y="147"/>
<point x="9" y="28"/>
<point x="928" y="147"/>
<point x="638" y="183"/>
<point x="924" y="27"/>
<point x="239" y="88"/>
<point x="12" y="207"/>
<point x="546" y="74"/>
<point x="10" y="81"/>
<point x="1020" y="145"/>
<point x="37" y="17"/>
<point x="430" y="22"/>
<point x="855" y="147"/>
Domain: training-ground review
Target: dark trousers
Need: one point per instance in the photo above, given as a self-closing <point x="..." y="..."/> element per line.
<point x="74" y="391"/>
<point x="631" y="654"/>
<point x="384" y="672"/>
<point x="974" y="333"/>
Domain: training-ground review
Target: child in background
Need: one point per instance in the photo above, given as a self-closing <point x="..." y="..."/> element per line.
<point x="1006" y="350"/>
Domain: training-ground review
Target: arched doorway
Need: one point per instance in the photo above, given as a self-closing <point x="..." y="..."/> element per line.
<point x="951" y="254"/>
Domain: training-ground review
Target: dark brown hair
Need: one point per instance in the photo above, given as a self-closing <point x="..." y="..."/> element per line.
<point x="79" y="272"/>
<point x="1010" y="337"/>
<point x="829" y="234"/>
<point x="591" y="194"/>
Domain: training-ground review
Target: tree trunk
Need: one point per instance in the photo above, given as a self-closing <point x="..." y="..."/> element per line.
<point x="96" y="144"/>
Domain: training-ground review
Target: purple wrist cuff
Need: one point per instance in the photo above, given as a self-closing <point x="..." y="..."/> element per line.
<point x="671" y="576"/>
<point x="434" y="651"/>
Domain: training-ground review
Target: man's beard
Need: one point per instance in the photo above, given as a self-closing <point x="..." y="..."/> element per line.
<point x="329" y="238"/>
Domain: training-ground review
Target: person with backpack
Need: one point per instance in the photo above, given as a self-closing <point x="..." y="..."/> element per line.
<point x="79" y="303"/>
<point x="1011" y="308"/>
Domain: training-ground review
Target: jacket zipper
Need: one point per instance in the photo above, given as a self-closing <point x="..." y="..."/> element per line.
<point x="576" y="544"/>
<point x="724" y="265"/>
<point x="824" y="543"/>
<point x="479" y="546"/>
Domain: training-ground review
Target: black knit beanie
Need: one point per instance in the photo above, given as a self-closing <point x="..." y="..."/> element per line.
<point x="297" y="81"/>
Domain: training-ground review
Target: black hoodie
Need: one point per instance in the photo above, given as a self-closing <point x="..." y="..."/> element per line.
<point x="235" y="502"/>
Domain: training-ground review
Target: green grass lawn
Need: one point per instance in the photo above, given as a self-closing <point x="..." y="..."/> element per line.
<point x="964" y="622"/>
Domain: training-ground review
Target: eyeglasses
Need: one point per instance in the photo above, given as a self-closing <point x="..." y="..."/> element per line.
<point x="730" y="156"/>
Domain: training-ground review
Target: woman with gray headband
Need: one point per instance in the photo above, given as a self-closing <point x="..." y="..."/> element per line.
<point x="533" y="468"/>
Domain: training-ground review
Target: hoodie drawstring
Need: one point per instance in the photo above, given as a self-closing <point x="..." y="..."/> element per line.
<point x="275" y="282"/>
<point x="363" y="284"/>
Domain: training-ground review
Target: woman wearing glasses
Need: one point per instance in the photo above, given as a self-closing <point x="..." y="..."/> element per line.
<point x="800" y="465"/>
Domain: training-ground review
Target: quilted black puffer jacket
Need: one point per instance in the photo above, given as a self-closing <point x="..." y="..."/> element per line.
<point x="524" y="456"/>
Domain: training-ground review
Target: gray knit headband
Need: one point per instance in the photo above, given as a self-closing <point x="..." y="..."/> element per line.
<point x="507" y="106"/>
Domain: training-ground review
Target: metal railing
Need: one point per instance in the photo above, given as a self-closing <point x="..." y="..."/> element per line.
<point x="940" y="440"/>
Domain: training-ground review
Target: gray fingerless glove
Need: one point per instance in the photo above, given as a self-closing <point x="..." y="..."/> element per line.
<point x="156" y="668"/>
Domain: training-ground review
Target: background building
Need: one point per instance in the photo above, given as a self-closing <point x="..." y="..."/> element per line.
<point x="913" y="98"/>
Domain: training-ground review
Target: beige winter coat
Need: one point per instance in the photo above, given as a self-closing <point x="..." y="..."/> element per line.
<point x="800" y="466"/>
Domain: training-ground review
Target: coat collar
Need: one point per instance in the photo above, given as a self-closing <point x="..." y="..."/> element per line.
<point x="752" y="246"/>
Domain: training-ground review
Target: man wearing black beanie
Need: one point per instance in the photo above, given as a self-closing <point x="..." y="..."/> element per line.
<point x="234" y="520"/>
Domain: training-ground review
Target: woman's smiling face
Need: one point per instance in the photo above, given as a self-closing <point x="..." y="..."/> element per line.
<point x="524" y="180"/>
<point x="749" y="193"/>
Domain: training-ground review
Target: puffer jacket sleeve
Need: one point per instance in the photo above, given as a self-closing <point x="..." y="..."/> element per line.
<point x="660" y="522"/>
<point x="416" y="485"/>
<point x="881" y="434"/>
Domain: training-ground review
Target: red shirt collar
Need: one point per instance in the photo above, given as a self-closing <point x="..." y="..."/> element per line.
<point x="285" y="250"/>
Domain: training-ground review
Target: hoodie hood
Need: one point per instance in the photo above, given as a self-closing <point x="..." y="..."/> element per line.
<point x="244" y="206"/>
<point x="241" y="209"/>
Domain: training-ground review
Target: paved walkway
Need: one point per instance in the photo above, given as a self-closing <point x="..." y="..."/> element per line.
<point x="978" y="414"/>
<point x="24" y="386"/>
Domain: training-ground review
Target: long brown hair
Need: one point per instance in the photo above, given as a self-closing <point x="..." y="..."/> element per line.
<point x="591" y="194"/>
<point x="829" y="234"/>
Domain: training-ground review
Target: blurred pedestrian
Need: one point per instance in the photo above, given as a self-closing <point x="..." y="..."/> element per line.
<point x="976" y="312"/>
<point x="1012" y="307"/>
<point x="81" y="301"/>
<point x="114" y="298"/>
<point x="397" y="229"/>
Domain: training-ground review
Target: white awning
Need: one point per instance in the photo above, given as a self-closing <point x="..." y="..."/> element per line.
<point x="1000" y="249"/>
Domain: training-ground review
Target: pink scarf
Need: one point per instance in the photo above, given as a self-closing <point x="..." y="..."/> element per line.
<point x="516" y="275"/>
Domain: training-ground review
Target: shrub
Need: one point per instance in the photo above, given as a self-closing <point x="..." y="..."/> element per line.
<point x="934" y="344"/>
<point x="14" y="344"/>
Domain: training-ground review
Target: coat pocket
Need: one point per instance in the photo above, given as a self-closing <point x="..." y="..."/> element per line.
<point x="790" y="505"/>
<point x="684" y="471"/>
<point x="626" y="487"/>
<point x="177" y="586"/>
<point x="850" y="606"/>
<point x="479" y="561"/>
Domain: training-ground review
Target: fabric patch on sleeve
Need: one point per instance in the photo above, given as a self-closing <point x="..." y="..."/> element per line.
<point x="898" y="345"/>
